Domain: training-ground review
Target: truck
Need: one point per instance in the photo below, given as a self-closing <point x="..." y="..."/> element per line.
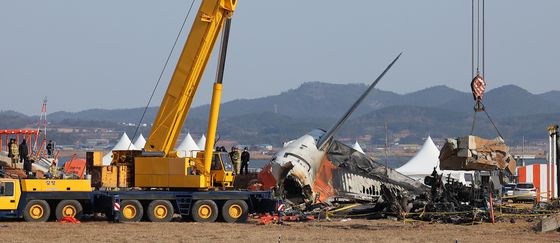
<point x="154" y="183"/>
<point x="38" y="200"/>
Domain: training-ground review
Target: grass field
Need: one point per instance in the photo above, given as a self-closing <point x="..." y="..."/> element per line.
<point x="356" y="230"/>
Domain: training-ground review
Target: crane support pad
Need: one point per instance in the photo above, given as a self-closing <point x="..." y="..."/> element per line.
<point x="476" y="153"/>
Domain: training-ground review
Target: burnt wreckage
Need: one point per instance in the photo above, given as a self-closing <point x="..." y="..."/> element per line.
<point x="346" y="175"/>
<point x="315" y="168"/>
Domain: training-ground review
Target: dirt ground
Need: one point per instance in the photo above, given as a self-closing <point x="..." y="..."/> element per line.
<point x="356" y="230"/>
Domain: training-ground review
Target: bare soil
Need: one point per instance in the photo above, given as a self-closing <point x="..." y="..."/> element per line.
<point x="356" y="230"/>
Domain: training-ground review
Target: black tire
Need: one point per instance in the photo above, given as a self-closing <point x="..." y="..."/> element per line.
<point x="131" y="211"/>
<point x="235" y="211"/>
<point x="37" y="211"/>
<point x="109" y="215"/>
<point x="160" y="211"/>
<point x="71" y="208"/>
<point x="204" y="211"/>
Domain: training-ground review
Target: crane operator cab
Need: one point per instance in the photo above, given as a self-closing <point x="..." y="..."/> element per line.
<point x="221" y="169"/>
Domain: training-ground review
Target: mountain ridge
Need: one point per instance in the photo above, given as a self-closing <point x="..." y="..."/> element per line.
<point x="438" y="110"/>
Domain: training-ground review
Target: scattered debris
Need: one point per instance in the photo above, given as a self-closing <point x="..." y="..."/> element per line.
<point x="476" y="153"/>
<point x="270" y="219"/>
<point x="549" y="223"/>
<point x="451" y="195"/>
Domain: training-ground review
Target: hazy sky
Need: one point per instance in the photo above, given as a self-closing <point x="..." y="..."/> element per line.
<point x="108" y="54"/>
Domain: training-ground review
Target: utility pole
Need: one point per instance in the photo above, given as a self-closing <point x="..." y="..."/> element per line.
<point x="386" y="149"/>
<point x="523" y="151"/>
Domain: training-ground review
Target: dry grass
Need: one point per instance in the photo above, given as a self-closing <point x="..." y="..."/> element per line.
<point x="335" y="231"/>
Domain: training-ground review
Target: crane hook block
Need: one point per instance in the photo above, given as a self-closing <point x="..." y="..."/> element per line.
<point x="478" y="86"/>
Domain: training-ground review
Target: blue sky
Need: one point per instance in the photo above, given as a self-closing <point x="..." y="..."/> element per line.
<point x="108" y="54"/>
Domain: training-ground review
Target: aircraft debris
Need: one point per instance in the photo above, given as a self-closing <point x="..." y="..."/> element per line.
<point x="476" y="153"/>
<point x="449" y="195"/>
<point x="315" y="168"/>
<point x="344" y="175"/>
<point x="549" y="223"/>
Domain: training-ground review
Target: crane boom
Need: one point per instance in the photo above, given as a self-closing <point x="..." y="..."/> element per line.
<point x="182" y="88"/>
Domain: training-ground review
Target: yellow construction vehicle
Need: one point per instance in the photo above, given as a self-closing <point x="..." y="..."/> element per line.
<point x="158" y="165"/>
<point x="155" y="182"/>
<point x="32" y="198"/>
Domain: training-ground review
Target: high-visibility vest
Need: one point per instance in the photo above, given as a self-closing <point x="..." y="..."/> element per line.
<point x="15" y="150"/>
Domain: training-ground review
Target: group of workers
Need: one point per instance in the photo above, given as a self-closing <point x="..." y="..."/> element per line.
<point x="240" y="160"/>
<point x="20" y="153"/>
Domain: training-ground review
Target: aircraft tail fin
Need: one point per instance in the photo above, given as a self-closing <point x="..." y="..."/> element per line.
<point x="332" y="131"/>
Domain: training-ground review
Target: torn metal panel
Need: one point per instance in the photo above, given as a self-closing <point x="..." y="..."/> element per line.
<point x="475" y="153"/>
<point x="348" y="159"/>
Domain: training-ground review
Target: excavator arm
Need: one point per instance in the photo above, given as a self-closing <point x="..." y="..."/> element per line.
<point x="180" y="93"/>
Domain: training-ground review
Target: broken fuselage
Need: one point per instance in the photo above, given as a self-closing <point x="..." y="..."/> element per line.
<point x="302" y="173"/>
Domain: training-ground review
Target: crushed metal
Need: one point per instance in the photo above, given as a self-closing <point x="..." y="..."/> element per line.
<point x="476" y="153"/>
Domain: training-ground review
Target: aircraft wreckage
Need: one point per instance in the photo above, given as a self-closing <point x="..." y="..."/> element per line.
<point x="315" y="168"/>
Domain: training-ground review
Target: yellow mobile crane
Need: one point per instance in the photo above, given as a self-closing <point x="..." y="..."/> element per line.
<point x="158" y="166"/>
<point x="161" y="184"/>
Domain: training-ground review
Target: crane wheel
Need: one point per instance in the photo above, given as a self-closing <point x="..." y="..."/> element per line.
<point x="235" y="211"/>
<point x="37" y="211"/>
<point x="160" y="211"/>
<point x="131" y="211"/>
<point x="69" y="208"/>
<point x="204" y="211"/>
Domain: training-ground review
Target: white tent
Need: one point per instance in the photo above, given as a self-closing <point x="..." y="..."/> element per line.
<point x="201" y="142"/>
<point x="140" y="142"/>
<point x="187" y="147"/>
<point x="423" y="163"/>
<point x="358" y="148"/>
<point x="124" y="143"/>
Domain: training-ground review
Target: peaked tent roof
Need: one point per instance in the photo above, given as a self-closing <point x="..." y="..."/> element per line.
<point x="423" y="162"/>
<point x="201" y="142"/>
<point x="140" y="142"/>
<point x="358" y="148"/>
<point x="187" y="147"/>
<point x="124" y="143"/>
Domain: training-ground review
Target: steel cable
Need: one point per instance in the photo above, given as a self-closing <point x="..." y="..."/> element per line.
<point x="162" y="71"/>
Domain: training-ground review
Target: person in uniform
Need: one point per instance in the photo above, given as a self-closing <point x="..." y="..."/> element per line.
<point x="15" y="153"/>
<point x="235" y="159"/>
<point x="245" y="157"/>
